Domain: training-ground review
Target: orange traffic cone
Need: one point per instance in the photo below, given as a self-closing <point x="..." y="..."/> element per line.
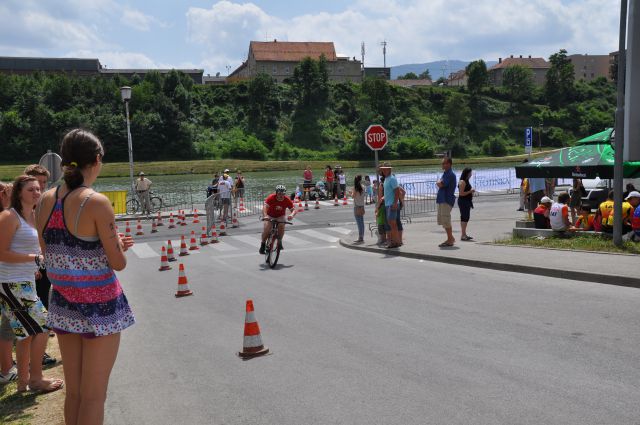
<point x="335" y="201"/>
<point x="183" y="247"/>
<point x="234" y="220"/>
<point x="183" y="285"/>
<point x="300" y="207"/>
<point x="154" y="229"/>
<point x="159" y="220"/>
<point x="139" y="231"/>
<point x="192" y="243"/>
<point x="203" y="237"/>
<point x="196" y="220"/>
<point x="170" y="255"/>
<point x="344" y="201"/>
<point x="164" y="261"/>
<point x="223" y="229"/>
<point x="252" y="345"/>
<point x="214" y="235"/>
<point x="317" y="207"/>
<point x="171" y="222"/>
<point x="183" y="219"/>
<point x="242" y="208"/>
<point x="306" y="205"/>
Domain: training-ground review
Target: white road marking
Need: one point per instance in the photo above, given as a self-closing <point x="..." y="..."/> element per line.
<point x="340" y="230"/>
<point x="249" y="240"/>
<point x="143" y="250"/>
<point x="222" y="245"/>
<point x="317" y="235"/>
<point x="255" y="254"/>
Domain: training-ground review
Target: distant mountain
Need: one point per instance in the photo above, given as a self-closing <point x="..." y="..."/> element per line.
<point x="435" y="68"/>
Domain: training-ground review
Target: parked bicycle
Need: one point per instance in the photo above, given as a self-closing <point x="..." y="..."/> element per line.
<point x="272" y="247"/>
<point x="134" y="207"/>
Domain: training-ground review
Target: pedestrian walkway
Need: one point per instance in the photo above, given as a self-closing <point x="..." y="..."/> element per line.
<point x="493" y="220"/>
<point x="294" y="239"/>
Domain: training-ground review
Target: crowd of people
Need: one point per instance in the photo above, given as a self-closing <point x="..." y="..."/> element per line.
<point x="568" y="213"/>
<point x="227" y="190"/>
<point x="59" y="249"/>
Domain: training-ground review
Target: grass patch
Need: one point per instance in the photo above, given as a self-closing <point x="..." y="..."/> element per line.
<point x="31" y="409"/>
<point x="121" y="169"/>
<point x="579" y="242"/>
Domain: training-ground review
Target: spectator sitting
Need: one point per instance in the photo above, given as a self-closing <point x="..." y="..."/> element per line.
<point x="559" y="213"/>
<point x="541" y="213"/>
<point x="606" y="209"/>
<point x="585" y="219"/>
<point x="634" y="199"/>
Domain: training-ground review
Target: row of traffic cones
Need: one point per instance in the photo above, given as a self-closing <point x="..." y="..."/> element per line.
<point x="252" y="345"/>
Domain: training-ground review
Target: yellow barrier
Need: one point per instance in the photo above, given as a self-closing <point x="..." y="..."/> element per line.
<point x="118" y="200"/>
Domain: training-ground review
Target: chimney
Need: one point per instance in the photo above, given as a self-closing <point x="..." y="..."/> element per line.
<point x="499" y="60"/>
<point x="529" y="56"/>
<point x="511" y="56"/>
<point x="520" y="56"/>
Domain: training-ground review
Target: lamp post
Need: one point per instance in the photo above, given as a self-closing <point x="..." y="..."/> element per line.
<point x="125" y="92"/>
<point x="540" y="137"/>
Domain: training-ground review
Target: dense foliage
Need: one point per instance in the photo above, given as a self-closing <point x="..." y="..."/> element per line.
<point x="306" y="118"/>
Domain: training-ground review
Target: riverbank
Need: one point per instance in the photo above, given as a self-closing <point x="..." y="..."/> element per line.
<point x="121" y="169"/>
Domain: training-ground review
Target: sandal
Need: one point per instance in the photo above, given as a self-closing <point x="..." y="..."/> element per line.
<point x="466" y="238"/>
<point x="445" y="244"/>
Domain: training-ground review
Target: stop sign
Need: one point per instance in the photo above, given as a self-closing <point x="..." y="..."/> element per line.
<point x="375" y="137"/>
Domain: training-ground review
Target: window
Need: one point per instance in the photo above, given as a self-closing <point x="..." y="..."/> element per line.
<point x="275" y="69"/>
<point x="287" y="70"/>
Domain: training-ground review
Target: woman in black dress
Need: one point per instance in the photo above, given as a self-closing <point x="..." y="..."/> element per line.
<point x="465" y="202"/>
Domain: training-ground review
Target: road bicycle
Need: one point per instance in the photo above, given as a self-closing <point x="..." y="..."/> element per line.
<point x="272" y="248"/>
<point x="134" y="207"/>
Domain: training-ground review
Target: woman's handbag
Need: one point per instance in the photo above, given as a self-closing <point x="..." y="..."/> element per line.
<point x="359" y="211"/>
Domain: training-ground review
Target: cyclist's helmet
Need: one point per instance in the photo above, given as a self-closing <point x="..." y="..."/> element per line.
<point x="281" y="188"/>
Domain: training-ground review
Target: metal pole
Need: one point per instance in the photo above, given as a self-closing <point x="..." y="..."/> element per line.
<point x="618" y="169"/>
<point x="126" y="105"/>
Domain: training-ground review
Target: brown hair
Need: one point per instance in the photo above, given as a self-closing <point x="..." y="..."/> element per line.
<point x="564" y="197"/>
<point x="36" y="170"/>
<point x="3" y="189"/>
<point x="79" y="149"/>
<point x="18" y="184"/>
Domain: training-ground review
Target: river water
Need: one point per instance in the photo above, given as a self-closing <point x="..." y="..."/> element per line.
<point x="487" y="177"/>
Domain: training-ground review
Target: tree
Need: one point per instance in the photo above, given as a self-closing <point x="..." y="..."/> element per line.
<point x="263" y="107"/>
<point x="559" y="81"/>
<point x="518" y="81"/>
<point x="458" y="113"/>
<point x="408" y="76"/>
<point x="477" y="77"/>
<point x="425" y="75"/>
<point x="311" y="86"/>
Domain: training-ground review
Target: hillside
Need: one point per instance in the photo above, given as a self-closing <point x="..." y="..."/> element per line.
<point x="436" y="68"/>
<point x="309" y="118"/>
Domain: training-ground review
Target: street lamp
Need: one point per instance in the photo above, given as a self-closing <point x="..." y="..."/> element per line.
<point x="125" y="92"/>
<point x="540" y="137"/>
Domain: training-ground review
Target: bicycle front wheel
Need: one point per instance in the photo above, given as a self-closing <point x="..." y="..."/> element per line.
<point x="133" y="206"/>
<point x="274" y="252"/>
<point x="156" y="204"/>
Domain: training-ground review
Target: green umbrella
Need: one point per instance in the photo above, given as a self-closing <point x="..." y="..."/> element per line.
<point x="591" y="157"/>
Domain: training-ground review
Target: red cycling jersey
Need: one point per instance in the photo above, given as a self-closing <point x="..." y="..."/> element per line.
<point x="277" y="208"/>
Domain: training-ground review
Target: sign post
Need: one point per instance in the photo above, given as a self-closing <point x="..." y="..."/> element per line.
<point x="528" y="140"/>
<point x="376" y="138"/>
<point x="52" y="161"/>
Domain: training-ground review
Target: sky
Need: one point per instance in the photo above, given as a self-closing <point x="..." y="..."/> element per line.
<point x="215" y="35"/>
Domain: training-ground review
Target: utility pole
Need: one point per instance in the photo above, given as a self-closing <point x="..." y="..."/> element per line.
<point x="384" y="52"/>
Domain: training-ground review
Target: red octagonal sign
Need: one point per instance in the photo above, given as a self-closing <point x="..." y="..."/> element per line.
<point x="375" y="137"/>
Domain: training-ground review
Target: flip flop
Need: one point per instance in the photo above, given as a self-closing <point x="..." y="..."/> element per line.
<point x="445" y="244"/>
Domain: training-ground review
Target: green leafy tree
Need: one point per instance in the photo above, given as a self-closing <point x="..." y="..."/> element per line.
<point x="311" y="86"/>
<point x="518" y="82"/>
<point x="408" y="76"/>
<point x="425" y="75"/>
<point x="559" y="81"/>
<point x="477" y="77"/>
<point x="263" y="107"/>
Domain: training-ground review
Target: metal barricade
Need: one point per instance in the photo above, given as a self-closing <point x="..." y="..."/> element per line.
<point x="420" y="197"/>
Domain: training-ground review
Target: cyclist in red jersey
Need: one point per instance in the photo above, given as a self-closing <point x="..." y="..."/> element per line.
<point x="275" y="207"/>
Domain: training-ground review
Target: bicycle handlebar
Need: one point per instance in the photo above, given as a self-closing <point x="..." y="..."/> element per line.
<point x="276" y="221"/>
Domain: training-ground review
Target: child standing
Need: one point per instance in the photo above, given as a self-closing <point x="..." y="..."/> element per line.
<point x="381" y="221"/>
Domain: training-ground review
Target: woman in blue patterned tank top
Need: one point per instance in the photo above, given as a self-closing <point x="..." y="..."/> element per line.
<point x="87" y="307"/>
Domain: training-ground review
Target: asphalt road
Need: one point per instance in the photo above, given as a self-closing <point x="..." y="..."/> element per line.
<point x="359" y="338"/>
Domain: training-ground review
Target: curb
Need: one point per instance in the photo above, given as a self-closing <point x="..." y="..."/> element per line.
<point x="607" y="279"/>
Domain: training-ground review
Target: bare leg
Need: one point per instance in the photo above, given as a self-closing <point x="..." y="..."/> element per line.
<point x="266" y="230"/>
<point x="6" y="358"/>
<point x="98" y="357"/>
<point x="393" y="236"/>
<point x="23" y="349"/>
<point x="450" y="238"/>
<point x="463" y="227"/>
<point x="71" y="350"/>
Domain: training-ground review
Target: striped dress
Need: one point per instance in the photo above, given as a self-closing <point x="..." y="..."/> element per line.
<point x="86" y="296"/>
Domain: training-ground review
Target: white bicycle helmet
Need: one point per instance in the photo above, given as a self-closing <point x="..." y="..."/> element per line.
<point x="281" y="188"/>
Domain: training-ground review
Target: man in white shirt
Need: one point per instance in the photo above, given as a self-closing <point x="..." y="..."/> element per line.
<point x="143" y="185"/>
<point x="224" y="193"/>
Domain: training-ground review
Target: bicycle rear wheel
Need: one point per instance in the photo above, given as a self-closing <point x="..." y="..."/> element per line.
<point x="156" y="204"/>
<point x="274" y="251"/>
<point x="133" y="206"/>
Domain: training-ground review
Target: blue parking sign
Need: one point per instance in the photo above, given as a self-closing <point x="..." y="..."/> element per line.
<point x="528" y="139"/>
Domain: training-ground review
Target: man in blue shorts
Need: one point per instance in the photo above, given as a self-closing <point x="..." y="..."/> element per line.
<point x="391" y="201"/>
<point x="445" y="199"/>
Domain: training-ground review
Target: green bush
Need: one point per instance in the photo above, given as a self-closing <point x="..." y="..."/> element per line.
<point x="495" y="146"/>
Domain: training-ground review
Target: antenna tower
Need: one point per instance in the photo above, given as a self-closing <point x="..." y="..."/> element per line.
<point x="384" y="52"/>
